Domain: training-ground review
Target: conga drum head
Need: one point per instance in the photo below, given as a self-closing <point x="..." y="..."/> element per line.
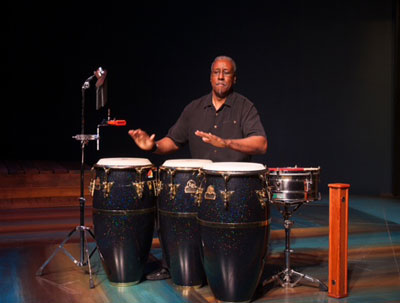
<point x="123" y="162"/>
<point x="186" y="163"/>
<point x="234" y="168"/>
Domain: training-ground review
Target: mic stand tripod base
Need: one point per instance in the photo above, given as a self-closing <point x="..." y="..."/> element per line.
<point x="85" y="256"/>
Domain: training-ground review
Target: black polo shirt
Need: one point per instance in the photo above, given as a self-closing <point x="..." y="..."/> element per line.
<point x="237" y="118"/>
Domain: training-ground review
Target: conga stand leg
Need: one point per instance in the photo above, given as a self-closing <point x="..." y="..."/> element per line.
<point x="84" y="251"/>
<point x="289" y="277"/>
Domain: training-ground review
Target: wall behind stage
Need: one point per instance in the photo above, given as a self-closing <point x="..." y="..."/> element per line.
<point x="320" y="74"/>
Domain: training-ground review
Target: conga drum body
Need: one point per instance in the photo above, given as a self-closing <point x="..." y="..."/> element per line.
<point x="123" y="216"/>
<point x="234" y="219"/>
<point x="294" y="184"/>
<point x="177" y="211"/>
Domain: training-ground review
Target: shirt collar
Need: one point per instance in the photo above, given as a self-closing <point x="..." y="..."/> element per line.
<point x="228" y="102"/>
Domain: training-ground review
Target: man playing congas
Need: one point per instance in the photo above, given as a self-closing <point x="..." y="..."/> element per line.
<point x="220" y="126"/>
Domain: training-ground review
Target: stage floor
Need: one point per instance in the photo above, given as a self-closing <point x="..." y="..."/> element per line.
<point x="373" y="269"/>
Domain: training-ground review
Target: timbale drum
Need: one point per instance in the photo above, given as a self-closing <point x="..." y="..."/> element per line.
<point x="234" y="219"/>
<point x="123" y="216"/>
<point x="294" y="184"/>
<point x="177" y="210"/>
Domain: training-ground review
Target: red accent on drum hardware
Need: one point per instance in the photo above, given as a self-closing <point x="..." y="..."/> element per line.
<point x="117" y="122"/>
<point x="287" y="169"/>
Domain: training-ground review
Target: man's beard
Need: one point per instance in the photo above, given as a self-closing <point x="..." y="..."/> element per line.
<point x="220" y="93"/>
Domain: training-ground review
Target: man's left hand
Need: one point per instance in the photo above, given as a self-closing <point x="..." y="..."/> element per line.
<point x="211" y="139"/>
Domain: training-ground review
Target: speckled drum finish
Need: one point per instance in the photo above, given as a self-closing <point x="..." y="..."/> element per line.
<point x="234" y="219"/>
<point x="294" y="184"/>
<point x="177" y="211"/>
<point x="123" y="216"/>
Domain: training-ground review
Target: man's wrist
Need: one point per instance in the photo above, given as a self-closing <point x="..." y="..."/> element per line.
<point x="155" y="147"/>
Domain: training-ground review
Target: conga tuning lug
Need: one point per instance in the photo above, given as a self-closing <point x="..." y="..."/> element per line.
<point x="107" y="188"/>
<point x="172" y="190"/>
<point x="157" y="187"/>
<point x="95" y="184"/>
<point x="262" y="197"/>
<point x="198" y="196"/>
<point x="139" y="186"/>
<point x="226" y="196"/>
<point x="91" y="187"/>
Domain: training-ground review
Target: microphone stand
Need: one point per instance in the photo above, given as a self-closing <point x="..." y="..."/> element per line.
<point x="84" y="251"/>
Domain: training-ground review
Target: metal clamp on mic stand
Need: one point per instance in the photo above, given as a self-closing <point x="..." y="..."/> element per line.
<point x="84" y="260"/>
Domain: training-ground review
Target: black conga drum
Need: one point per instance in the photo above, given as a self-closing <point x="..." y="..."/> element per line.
<point x="123" y="216"/>
<point x="234" y="219"/>
<point x="177" y="211"/>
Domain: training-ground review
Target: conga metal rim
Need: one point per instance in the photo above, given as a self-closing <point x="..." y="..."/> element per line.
<point x="122" y="166"/>
<point x="124" y="212"/>
<point x="236" y="225"/>
<point x="177" y="214"/>
<point x="235" y="173"/>
<point x="179" y="168"/>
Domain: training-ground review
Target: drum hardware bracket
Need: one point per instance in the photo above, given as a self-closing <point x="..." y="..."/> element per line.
<point x="139" y="187"/>
<point x="157" y="187"/>
<point x="198" y="196"/>
<point x="172" y="190"/>
<point x="262" y="197"/>
<point x="107" y="188"/>
<point x="226" y="196"/>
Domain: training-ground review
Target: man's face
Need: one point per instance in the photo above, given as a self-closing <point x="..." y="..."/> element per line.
<point x="222" y="77"/>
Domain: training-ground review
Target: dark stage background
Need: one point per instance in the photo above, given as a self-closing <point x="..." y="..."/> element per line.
<point x="323" y="75"/>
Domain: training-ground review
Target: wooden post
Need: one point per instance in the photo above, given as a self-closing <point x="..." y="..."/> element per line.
<point x="338" y="239"/>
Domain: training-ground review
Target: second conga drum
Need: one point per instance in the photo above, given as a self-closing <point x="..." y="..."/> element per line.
<point x="177" y="210"/>
<point x="234" y="221"/>
<point x="123" y="216"/>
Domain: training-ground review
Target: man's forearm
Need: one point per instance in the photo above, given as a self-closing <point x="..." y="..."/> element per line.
<point x="255" y="145"/>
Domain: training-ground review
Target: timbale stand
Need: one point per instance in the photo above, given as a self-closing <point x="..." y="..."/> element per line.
<point x="289" y="277"/>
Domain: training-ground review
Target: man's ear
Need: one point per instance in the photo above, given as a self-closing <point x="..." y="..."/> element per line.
<point x="234" y="79"/>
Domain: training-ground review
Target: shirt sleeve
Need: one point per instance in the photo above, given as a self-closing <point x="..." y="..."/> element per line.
<point x="252" y="125"/>
<point x="179" y="131"/>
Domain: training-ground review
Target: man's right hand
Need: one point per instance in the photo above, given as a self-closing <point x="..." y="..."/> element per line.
<point x="142" y="139"/>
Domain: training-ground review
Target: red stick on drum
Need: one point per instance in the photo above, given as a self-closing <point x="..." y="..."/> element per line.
<point x="338" y="239"/>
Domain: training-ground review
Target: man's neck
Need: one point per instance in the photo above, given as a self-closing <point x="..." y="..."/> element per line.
<point x="218" y="102"/>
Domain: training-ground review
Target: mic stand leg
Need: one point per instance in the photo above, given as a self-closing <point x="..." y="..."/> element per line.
<point x="84" y="251"/>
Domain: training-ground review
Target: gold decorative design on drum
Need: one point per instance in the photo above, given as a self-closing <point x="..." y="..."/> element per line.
<point x="191" y="187"/>
<point x="226" y="196"/>
<point x="210" y="193"/>
<point x="263" y="197"/>
<point x="172" y="190"/>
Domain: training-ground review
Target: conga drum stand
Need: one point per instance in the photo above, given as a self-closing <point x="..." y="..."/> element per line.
<point x="289" y="277"/>
<point x="84" y="251"/>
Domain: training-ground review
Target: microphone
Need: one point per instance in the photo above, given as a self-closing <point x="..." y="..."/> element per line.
<point x="101" y="88"/>
<point x="101" y="76"/>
